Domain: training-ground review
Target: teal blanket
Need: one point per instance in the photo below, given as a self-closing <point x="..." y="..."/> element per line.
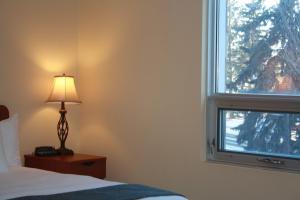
<point x="117" y="192"/>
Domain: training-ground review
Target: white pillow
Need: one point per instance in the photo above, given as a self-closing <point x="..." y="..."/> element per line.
<point x="3" y="162"/>
<point x="10" y="139"/>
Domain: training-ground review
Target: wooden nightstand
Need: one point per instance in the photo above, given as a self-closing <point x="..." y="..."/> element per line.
<point x="75" y="164"/>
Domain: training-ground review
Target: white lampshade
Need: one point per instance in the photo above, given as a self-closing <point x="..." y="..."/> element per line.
<point x="64" y="90"/>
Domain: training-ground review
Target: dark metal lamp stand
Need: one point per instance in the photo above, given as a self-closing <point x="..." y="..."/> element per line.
<point x="62" y="131"/>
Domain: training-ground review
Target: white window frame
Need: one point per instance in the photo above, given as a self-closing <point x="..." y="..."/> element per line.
<point x="216" y="101"/>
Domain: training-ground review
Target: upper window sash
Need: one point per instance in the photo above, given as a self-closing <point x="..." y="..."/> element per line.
<point x="230" y="54"/>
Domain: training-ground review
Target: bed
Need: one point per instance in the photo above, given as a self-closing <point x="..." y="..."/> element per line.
<point x="22" y="183"/>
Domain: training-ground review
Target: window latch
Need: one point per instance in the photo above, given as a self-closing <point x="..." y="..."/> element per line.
<point x="211" y="145"/>
<point x="271" y="161"/>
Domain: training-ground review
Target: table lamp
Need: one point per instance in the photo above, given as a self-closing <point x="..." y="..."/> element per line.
<point x="63" y="91"/>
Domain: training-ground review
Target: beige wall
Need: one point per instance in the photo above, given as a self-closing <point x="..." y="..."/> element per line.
<point x="38" y="39"/>
<point x="140" y="73"/>
<point x="140" y="81"/>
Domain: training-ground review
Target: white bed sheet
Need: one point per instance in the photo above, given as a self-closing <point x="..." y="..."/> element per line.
<point x="23" y="181"/>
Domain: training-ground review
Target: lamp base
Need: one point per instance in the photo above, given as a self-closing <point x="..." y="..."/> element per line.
<point x="62" y="131"/>
<point x="64" y="151"/>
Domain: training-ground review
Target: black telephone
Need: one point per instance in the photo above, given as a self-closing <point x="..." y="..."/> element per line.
<point x="45" y="151"/>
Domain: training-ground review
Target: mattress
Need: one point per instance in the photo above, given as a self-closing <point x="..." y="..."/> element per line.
<point x="23" y="181"/>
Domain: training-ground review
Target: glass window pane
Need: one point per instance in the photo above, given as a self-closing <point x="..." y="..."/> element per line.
<point x="259" y="47"/>
<point x="258" y="132"/>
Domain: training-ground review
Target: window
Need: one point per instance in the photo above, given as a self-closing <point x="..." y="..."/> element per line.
<point x="253" y="103"/>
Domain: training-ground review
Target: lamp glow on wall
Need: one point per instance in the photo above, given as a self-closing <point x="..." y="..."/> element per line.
<point x="63" y="91"/>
